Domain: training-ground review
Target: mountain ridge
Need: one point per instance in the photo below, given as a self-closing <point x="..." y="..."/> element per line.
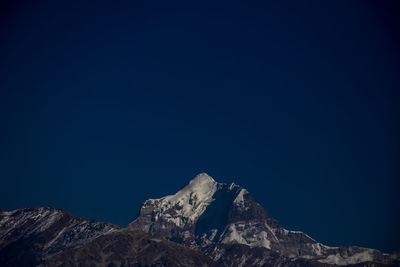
<point x="49" y="237"/>
<point x="228" y="214"/>
<point x="205" y="223"/>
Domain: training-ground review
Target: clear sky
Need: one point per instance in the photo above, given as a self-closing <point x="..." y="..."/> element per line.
<point x="104" y="104"/>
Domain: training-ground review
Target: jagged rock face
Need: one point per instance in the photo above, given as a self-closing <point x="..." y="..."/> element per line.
<point x="28" y="234"/>
<point x="217" y="224"/>
<point x="211" y="217"/>
<point x="52" y="237"/>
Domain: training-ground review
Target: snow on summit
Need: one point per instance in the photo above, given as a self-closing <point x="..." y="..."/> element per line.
<point x="189" y="202"/>
<point x="212" y="216"/>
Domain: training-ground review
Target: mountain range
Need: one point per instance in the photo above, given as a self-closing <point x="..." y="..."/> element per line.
<point x="206" y="223"/>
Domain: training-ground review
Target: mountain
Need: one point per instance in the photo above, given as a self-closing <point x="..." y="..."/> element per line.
<point x="27" y="235"/>
<point x="53" y="237"/>
<point x="206" y="223"/>
<point x="129" y="247"/>
<point x="226" y="223"/>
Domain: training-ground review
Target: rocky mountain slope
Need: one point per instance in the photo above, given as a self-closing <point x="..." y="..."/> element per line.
<point x="206" y="223"/>
<point x="53" y="237"/>
<point x="129" y="247"/>
<point x="29" y="234"/>
<point x="226" y="223"/>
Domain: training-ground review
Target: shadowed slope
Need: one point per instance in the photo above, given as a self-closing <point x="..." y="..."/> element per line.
<point x="128" y="247"/>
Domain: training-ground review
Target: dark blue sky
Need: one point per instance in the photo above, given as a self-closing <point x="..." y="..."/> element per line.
<point x="106" y="104"/>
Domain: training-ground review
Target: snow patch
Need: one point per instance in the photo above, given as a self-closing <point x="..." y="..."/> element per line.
<point x="213" y="234"/>
<point x="318" y="248"/>
<point x="272" y="232"/>
<point x="245" y="237"/>
<point x="299" y="233"/>
<point x="239" y="199"/>
<point x="232" y="185"/>
<point x="354" y="259"/>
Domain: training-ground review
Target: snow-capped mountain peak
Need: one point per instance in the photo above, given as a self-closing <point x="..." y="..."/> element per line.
<point x="222" y="221"/>
<point x="201" y="179"/>
<point x="202" y="186"/>
<point x="211" y="217"/>
<point x="187" y="205"/>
